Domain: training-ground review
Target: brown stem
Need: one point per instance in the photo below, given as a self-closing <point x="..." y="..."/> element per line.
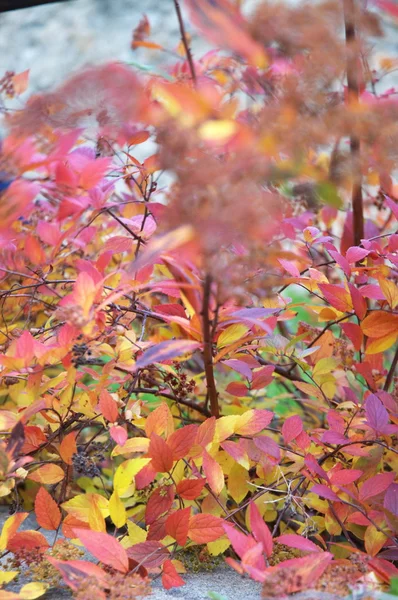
<point x="391" y="372"/>
<point x="184" y="40"/>
<point x="212" y="393"/>
<point x="353" y="96"/>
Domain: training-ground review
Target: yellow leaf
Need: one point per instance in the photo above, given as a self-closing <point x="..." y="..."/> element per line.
<point x="374" y="540"/>
<point x="324" y="366"/>
<point x="237" y="483"/>
<point x="117" y="510"/>
<point x="390" y="291"/>
<point x="231" y="334"/>
<point x="137" y="444"/>
<point x="7" y="576"/>
<point x="96" y="520"/>
<point x="81" y="505"/>
<point x="217" y="130"/>
<point x="136" y="533"/>
<point x="33" y="590"/>
<point x="225" y="427"/>
<point x="10" y="527"/>
<point x="125" y="473"/>
<point x="218" y="547"/>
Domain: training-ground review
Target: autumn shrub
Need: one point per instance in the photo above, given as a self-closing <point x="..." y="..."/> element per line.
<point x="198" y="291"/>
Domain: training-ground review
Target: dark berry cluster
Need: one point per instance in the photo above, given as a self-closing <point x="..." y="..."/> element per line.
<point x="84" y="464"/>
<point x="81" y="355"/>
<point x="179" y="383"/>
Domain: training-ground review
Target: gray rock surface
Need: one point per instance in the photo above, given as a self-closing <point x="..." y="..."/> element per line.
<point x="54" y="40"/>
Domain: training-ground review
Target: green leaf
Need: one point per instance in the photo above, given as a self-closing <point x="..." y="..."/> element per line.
<point x="329" y="195"/>
<point x="394" y="586"/>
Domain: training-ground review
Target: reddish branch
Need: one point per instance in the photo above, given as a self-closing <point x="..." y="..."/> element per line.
<point x="184" y="40"/>
<point x="212" y="394"/>
<point x="353" y="96"/>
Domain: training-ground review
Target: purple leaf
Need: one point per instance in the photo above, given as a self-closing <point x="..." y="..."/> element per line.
<point x="376" y="414"/>
<point x="165" y="351"/>
<point x="324" y="492"/>
<point x="391" y="499"/>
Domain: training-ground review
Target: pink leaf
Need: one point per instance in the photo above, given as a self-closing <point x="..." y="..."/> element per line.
<point x="297" y="541"/>
<point x="375" y="485"/>
<point x="260" y="529"/>
<point x="355" y="254"/>
<point x="105" y="548"/>
<point x="324" y="492"/>
<point x="291" y="428"/>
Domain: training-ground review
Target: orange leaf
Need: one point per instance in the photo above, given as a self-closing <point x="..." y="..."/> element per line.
<point x="170" y="577"/>
<point x="214" y="473"/>
<point x="181" y="441"/>
<point x="160" y="421"/>
<point x="190" y="489"/>
<point x="68" y="447"/>
<point x="28" y="540"/>
<point x="204" y="528"/>
<point x="177" y="525"/>
<point x="10" y="528"/>
<point x="108" y="406"/>
<point x="47" y="512"/>
<point x="105" y="548"/>
<point x="160" y="453"/>
<point x="47" y="474"/>
<point x="380" y="324"/>
<point x="206" y="432"/>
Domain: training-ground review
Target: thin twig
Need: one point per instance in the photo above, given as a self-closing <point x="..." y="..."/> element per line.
<point x="184" y="40"/>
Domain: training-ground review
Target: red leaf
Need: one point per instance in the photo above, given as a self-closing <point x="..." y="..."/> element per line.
<point x="297" y="541"/>
<point x="47" y="512"/>
<point x="336" y="296"/>
<point x="291" y="428"/>
<point x="28" y="540"/>
<point x="170" y="577"/>
<point x="93" y="172"/>
<point x="204" y="528"/>
<point x="161" y="454"/>
<point x="177" y="525"/>
<point x="108" y="406"/>
<point x="75" y="571"/>
<point x="303" y="573"/>
<point x="159" y="502"/>
<point x="149" y="554"/>
<point x="375" y="485"/>
<point x="389" y="7"/>
<point x="190" y="489"/>
<point x="354" y="334"/>
<point x="260" y="529"/>
<point x="262" y="377"/>
<point x="157" y="529"/>
<point x="181" y="441"/>
<point x="345" y="476"/>
<point x="105" y="548"/>
<point x="237" y="388"/>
